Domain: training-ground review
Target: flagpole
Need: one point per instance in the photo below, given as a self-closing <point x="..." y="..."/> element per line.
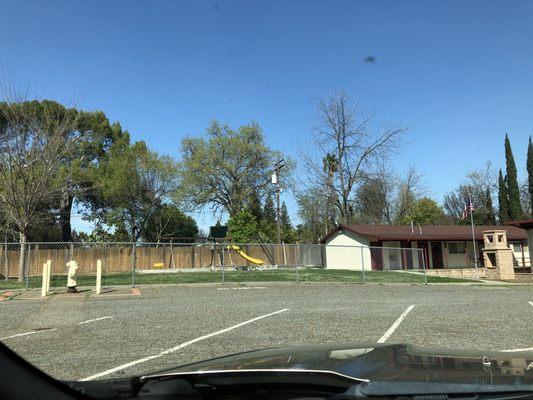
<point x="473" y="234"/>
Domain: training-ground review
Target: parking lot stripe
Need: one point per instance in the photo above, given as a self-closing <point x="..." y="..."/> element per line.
<point x="94" y="320"/>
<point x="180" y="346"/>
<point x="530" y="302"/>
<point x="27" y="333"/>
<point x="391" y="330"/>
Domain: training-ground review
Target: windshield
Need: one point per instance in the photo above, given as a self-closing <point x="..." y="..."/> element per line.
<point x="183" y="181"/>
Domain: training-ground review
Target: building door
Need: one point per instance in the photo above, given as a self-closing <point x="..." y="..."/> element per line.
<point x="436" y="254"/>
<point x="376" y="255"/>
<point x="423" y="256"/>
<point x="407" y="255"/>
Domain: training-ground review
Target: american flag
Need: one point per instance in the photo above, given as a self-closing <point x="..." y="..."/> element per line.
<point x="469" y="207"/>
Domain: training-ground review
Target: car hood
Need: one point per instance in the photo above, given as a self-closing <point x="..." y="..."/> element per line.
<point x="392" y="362"/>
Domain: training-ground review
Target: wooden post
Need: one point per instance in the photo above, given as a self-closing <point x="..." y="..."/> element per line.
<point x="192" y="255"/>
<point x="98" y="276"/>
<point x="43" y="284"/>
<point x="48" y="274"/>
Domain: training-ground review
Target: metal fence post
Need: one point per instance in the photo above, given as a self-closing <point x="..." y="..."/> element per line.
<point x="222" y="261"/>
<point x="297" y="274"/>
<point x="6" y="259"/>
<point x="424" y="265"/>
<point x="27" y="267"/>
<point x="104" y="266"/>
<point x="363" y="263"/>
<point x="133" y="265"/>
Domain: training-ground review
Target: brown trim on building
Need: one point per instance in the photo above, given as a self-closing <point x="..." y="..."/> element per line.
<point x="428" y="232"/>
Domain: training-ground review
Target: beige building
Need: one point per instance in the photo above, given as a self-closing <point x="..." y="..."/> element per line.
<point x="388" y="247"/>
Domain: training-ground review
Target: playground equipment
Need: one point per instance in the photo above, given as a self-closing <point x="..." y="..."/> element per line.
<point x="238" y="250"/>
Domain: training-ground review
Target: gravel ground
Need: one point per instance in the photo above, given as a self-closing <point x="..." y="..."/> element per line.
<point x="444" y="316"/>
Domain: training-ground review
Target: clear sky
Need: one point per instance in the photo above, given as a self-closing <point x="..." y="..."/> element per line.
<point x="458" y="73"/>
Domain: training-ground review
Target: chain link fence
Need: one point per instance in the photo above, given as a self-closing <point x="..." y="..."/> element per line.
<point x="131" y="264"/>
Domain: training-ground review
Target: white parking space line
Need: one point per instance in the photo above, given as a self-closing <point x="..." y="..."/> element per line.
<point x="27" y="333"/>
<point x="180" y="346"/>
<point x="95" y="319"/>
<point x="396" y="324"/>
<point x="530" y="302"/>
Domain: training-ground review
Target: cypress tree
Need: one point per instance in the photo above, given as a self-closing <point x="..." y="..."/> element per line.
<point x="530" y="171"/>
<point x="503" y="200"/>
<point x="513" y="191"/>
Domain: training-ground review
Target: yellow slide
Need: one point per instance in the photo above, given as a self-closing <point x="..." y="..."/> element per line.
<point x="244" y="255"/>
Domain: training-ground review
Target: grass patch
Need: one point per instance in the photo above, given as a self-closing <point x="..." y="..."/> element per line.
<point x="279" y="275"/>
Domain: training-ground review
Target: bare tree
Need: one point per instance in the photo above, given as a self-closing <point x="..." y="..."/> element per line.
<point x="481" y="185"/>
<point x="346" y="135"/>
<point x="33" y="142"/>
<point x="411" y="187"/>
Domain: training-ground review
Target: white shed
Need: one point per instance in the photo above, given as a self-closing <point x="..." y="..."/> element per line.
<point x="347" y="250"/>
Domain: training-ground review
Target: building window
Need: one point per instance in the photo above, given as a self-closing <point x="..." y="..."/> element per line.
<point x="456" y="247"/>
<point x="516" y="247"/>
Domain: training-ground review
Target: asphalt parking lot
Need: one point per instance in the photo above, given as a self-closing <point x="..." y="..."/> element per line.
<point x="85" y="336"/>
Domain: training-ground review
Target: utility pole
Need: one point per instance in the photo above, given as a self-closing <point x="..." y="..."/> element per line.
<point x="275" y="180"/>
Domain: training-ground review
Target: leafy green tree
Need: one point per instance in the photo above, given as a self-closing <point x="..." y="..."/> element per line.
<point x="33" y="143"/>
<point x="425" y="212"/>
<point x="169" y="223"/>
<point x="243" y="227"/>
<point x="135" y="183"/>
<point x="515" y="208"/>
<point x="223" y="169"/>
<point x="93" y="135"/>
<point x="83" y="140"/>
<point x="530" y="172"/>
<point x="503" y="200"/>
<point x="314" y="213"/>
<point x="287" y="231"/>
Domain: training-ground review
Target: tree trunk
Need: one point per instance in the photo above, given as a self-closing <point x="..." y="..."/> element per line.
<point x="22" y="259"/>
<point x="65" y="210"/>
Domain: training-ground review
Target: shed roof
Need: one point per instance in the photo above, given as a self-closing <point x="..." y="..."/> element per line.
<point x="425" y="232"/>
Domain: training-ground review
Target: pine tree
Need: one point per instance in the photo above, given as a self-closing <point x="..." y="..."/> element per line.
<point x="530" y="171"/>
<point x="503" y="200"/>
<point x="254" y="205"/>
<point x="513" y="191"/>
<point x="287" y="231"/>
<point x="268" y="221"/>
<point x="269" y="211"/>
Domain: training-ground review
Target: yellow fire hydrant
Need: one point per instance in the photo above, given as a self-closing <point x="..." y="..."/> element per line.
<point x="71" y="276"/>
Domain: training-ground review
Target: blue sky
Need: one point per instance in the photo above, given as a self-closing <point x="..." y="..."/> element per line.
<point x="458" y="73"/>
